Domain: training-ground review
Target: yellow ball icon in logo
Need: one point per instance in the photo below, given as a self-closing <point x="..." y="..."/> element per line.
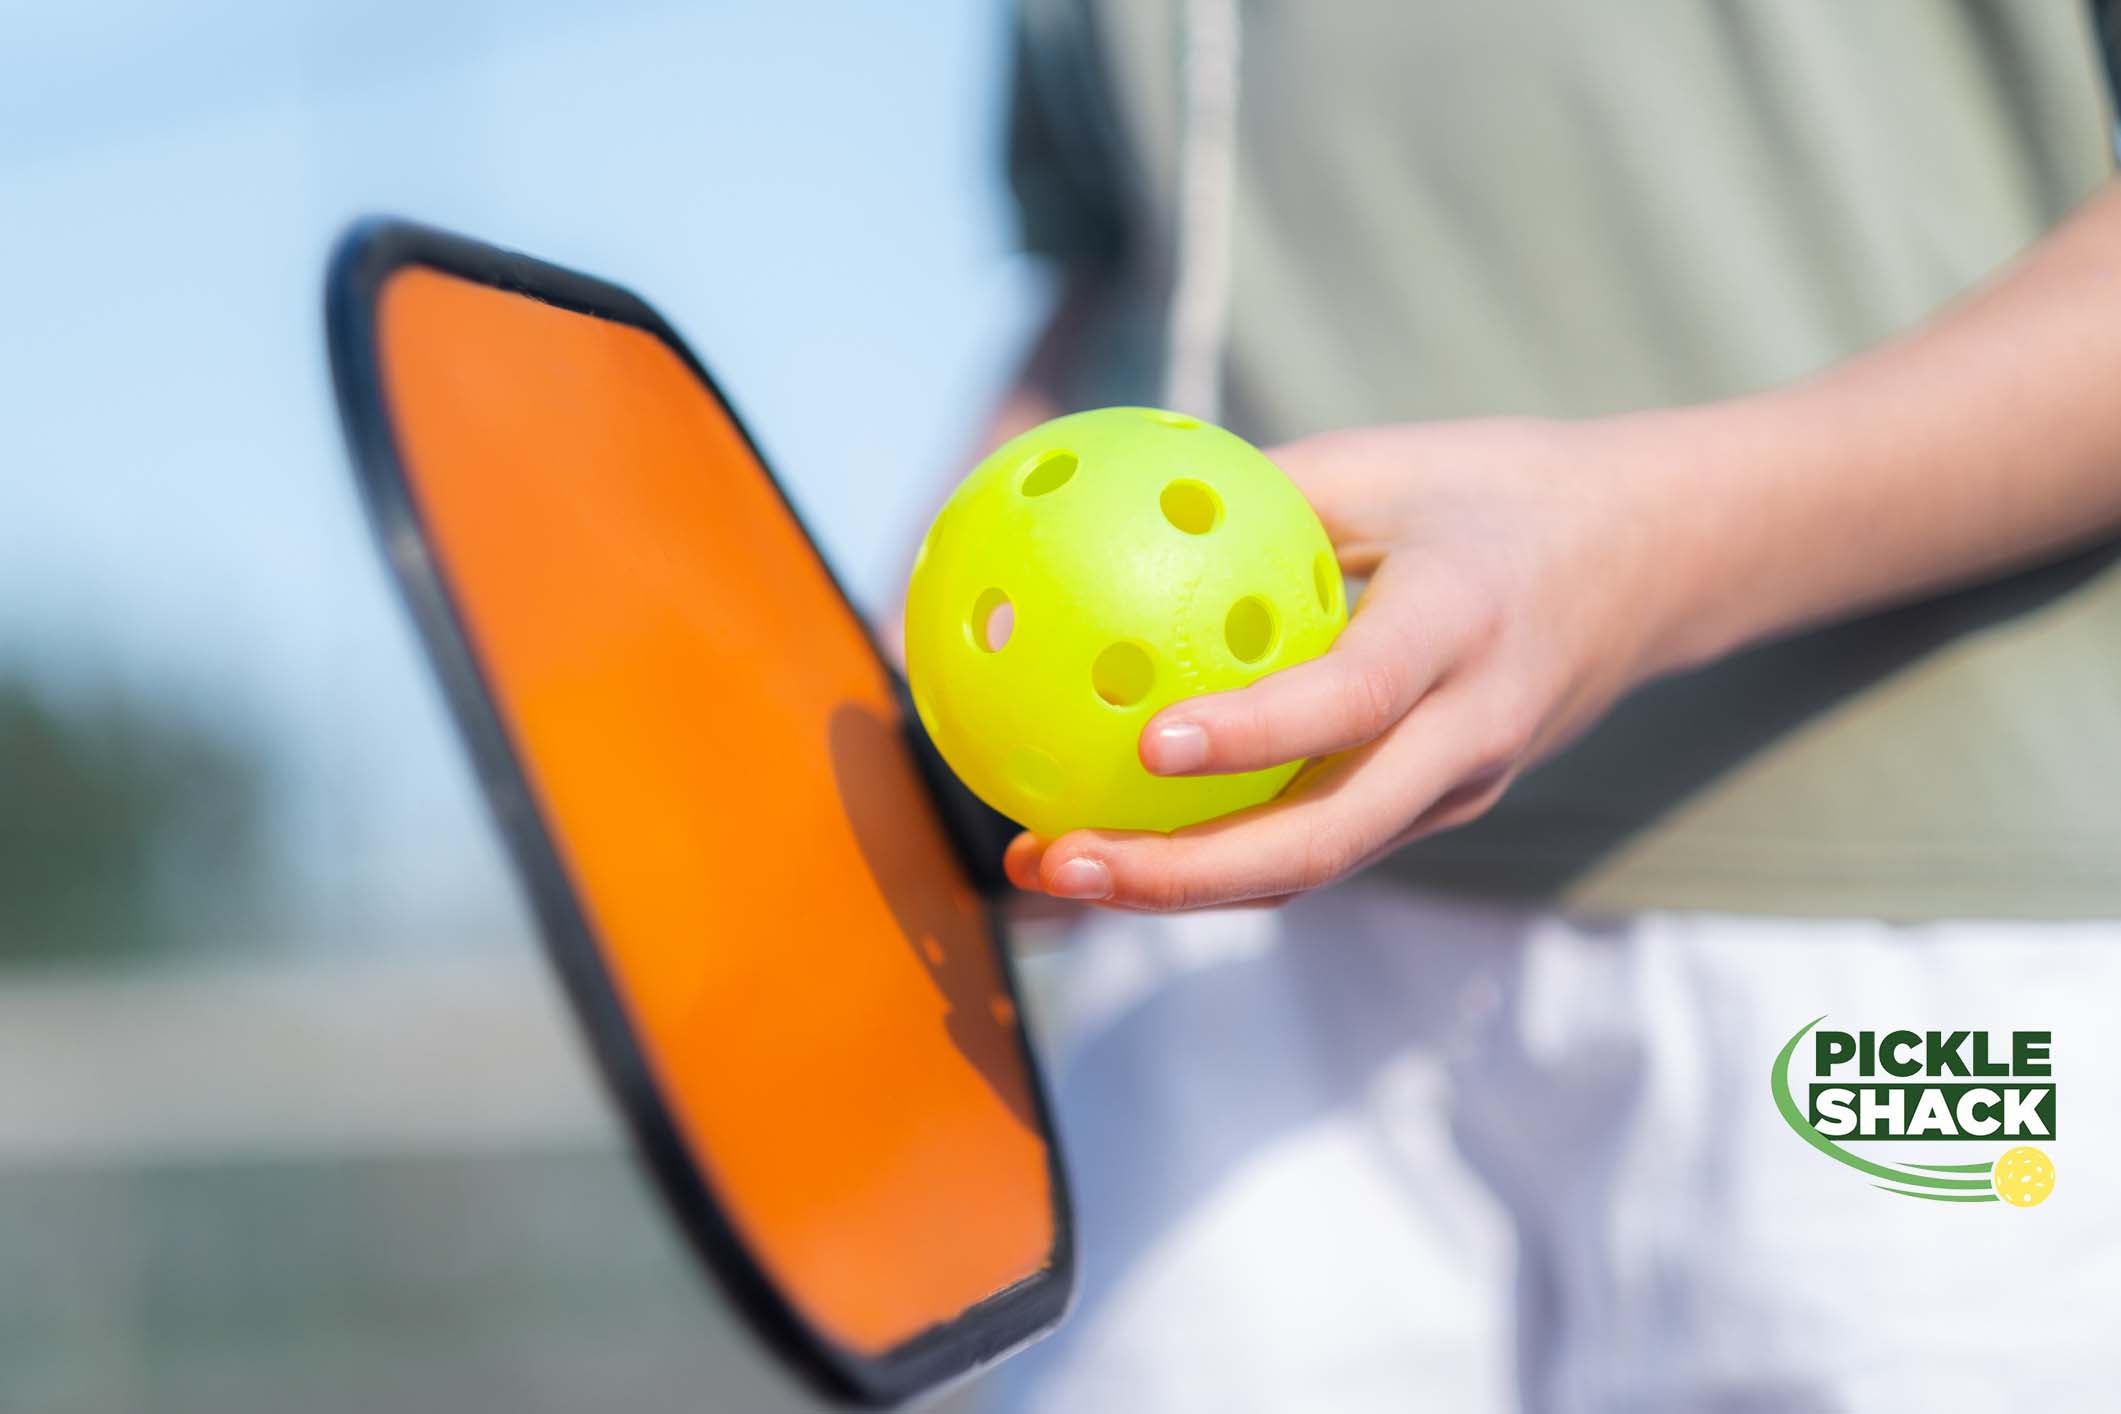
<point x="2023" y="1177"/>
<point x="1089" y="573"/>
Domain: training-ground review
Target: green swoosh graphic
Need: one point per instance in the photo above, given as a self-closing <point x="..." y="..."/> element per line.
<point x="1779" y="1082"/>
<point x="1939" y="1197"/>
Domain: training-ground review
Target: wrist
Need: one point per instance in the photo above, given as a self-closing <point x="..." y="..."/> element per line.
<point x="1696" y="502"/>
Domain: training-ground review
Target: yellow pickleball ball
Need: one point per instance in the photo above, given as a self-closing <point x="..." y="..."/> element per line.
<point x="1089" y="573"/>
<point x="2023" y="1177"/>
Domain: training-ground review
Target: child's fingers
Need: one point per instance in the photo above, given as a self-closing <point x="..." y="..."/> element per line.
<point x="1347" y="813"/>
<point x="1020" y="861"/>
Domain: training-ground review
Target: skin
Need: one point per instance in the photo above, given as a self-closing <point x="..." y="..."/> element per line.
<point x="1523" y="575"/>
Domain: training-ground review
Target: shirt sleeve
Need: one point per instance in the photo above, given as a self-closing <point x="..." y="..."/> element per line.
<point x="1061" y="153"/>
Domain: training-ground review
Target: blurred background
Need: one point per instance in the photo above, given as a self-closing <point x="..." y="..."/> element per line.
<point x="290" y="1113"/>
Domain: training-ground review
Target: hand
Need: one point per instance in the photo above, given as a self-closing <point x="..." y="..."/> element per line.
<point x="1517" y="586"/>
<point x="1523" y="575"/>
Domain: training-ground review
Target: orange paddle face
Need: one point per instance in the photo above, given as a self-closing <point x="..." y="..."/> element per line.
<point x="714" y="756"/>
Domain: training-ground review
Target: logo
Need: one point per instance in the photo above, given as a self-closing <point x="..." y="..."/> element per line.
<point x="1955" y="1086"/>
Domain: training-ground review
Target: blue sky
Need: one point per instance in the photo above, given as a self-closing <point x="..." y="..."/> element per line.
<point x="810" y="193"/>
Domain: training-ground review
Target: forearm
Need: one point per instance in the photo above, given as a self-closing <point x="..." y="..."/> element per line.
<point x="1988" y="439"/>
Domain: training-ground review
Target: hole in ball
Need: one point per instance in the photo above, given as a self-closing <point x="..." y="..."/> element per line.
<point x="1048" y="474"/>
<point x="1191" y="506"/>
<point x="993" y="620"/>
<point x="1325" y="578"/>
<point x="1249" y="629"/>
<point x="1172" y="419"/>
<point x="1123" y="674"/>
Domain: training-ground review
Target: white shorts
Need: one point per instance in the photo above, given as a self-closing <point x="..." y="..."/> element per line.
<point x="1381" y="1151"/>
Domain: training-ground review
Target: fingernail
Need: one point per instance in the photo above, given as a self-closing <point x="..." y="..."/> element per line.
<point x="1081" y="878"/>
<point x="1178" y="747"/>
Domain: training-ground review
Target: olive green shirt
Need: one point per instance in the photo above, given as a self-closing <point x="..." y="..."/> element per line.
<point x="1570" y="208"/>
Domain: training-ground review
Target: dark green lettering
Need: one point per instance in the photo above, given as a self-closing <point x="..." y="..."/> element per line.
<point x="1944" y="1057"/>
<point x="1830" y="1049"/>
<point x="1894" y="1043"/>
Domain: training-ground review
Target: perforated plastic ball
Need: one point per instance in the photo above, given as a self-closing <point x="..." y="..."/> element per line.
<point x="1089" y="573"/>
